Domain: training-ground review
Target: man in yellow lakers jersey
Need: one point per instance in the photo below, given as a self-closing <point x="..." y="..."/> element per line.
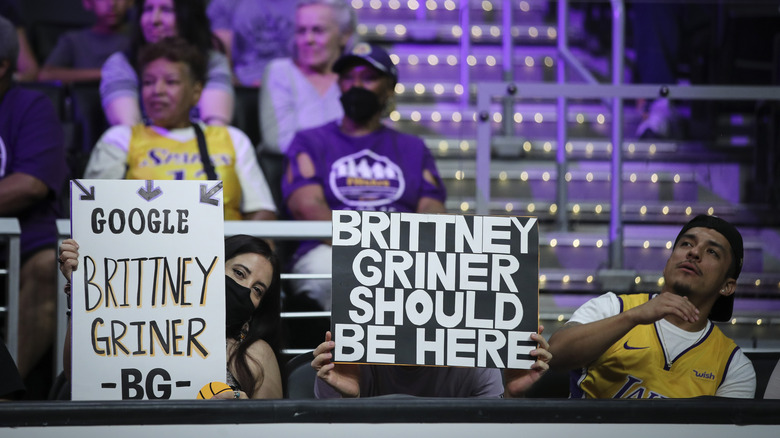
<point x="172" y="78"/>
<point x="664" y="345"/>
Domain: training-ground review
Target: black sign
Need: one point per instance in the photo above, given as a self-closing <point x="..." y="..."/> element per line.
<point x="429" y="289"/>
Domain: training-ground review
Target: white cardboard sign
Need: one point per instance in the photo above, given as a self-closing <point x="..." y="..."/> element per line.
<point x="148" y="307"/>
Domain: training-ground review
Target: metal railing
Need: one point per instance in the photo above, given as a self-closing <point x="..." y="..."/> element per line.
<point x="487" y="91"/>
<point x="612" y="95"/>
<point x="10" y="232"/>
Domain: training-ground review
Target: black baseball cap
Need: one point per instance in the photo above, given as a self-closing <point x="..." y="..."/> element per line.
<point x="373" y="54"/>
<point x="724" y="306"/>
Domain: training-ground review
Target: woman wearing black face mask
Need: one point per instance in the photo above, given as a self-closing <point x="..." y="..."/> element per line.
<point x="356" y="163"/>
<point x="252" y="288"/>
<point x="252" y="318"/>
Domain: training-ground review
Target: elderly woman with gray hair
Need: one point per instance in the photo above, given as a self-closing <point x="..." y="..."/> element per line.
<point x="301" y="92"/>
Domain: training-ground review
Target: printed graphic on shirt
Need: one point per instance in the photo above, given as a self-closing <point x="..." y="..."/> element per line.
<point x="706" y="375"/>
<point x="265" y="35"/>
<point x="633" y="384"/>
<point x="162" y="156"/>
<point x="3" y="158"/>
<point x="178" y="163"/>
<point x="630" y="347"/>
<point x="366" y="180"/>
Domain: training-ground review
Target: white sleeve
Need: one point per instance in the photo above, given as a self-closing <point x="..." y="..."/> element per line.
<point x="255" y="194"/>
<point x="219" y="74"/>
<point x="117" y="79"/>
<point x="740" y="380"/>
<point x="108" y="159"/>
<point x="596" y="309"/>
<point x="277" y="106"/>
<point x="773" y="386"/>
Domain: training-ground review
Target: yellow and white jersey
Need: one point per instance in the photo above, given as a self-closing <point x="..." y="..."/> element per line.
<point x="150" y="152"/>
<point x="154" y="156"/>
<point x="661" y="360"/>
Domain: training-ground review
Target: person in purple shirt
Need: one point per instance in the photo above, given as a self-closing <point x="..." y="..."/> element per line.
<point x="356" y="163"/>
<point x="79" y="54"/>
<point x="32" y="173"/>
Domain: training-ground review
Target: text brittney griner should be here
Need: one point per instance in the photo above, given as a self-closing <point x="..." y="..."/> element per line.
<point x="434" y="289"/>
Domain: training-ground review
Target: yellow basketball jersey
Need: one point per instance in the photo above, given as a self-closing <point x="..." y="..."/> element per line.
<point x="636" y="367"/>
<point x="154" y="156"/>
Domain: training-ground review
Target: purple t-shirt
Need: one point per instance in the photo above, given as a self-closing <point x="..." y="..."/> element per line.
<point x="262" y="31"/>
<point x="85" y="48"/>
<point x="380" y="171"/>
<point x="378" y="380"/>
<point x="31" y="142"/>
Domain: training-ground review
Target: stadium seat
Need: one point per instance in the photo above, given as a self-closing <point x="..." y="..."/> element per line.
<point x="90" y="120"/>
<point x="300" y="377"/>
<point x="246" y="112"/>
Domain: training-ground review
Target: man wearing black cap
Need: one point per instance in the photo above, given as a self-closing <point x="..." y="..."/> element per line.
<point x="664" y="345"/>
<point x="356" y="163"/>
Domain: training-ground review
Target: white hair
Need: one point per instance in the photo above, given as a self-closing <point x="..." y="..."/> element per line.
<point x="345" y="14"/>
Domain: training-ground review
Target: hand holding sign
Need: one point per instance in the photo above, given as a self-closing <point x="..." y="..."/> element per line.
<point x="150" y="259"/>
<point x="345" y="378"/>
<point x="517" y="382"/>
<point x="427" y="289"/>
<point x="69" y="257"/>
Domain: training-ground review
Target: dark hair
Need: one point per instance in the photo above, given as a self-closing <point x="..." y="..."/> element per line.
<point x="728" y="231"/>
<point x="175" y="49"/>
<point x="266" y="319"/>
<point x="192" y="24"/>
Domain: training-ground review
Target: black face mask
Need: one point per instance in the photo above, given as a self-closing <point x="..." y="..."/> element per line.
<point x="360" y="104"/>
<point x="238" y="307"/>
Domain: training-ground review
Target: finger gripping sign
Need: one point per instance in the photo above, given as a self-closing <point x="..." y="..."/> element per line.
<point x="148" y="297"/>
<point x="427" y="289"/>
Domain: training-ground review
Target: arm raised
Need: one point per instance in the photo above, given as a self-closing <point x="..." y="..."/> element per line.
<point x="344" y="378"/>
<point x="576" y="345"/>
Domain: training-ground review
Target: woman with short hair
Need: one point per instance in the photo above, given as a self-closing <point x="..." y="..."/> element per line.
<point x="301" y="92"/>
<point x="172" y="146"/>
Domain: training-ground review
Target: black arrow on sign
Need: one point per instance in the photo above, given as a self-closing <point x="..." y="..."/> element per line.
<point x="89" y="195"/>
<point x="205" y="196"/>
<point x="149" y="193"/>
